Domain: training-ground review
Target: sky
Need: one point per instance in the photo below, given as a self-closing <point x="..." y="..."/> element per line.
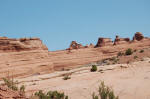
<point x="58" y="22"/>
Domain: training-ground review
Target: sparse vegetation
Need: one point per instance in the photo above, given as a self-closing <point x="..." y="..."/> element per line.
<point x="141" y="51"/>
<point x="22" y="89"/>
<point x="135" y="57"/>
<point x="50" y="95"/>
<point x="66" y="77"/>
<point x="114" y="60"/>
<point x="94" y="68"/>
<point x="129" y="51"/>
<point x="105" y="93"/>
<point x="120" y="54"/>
<point x="94" y="96"/>
<point x="10" y="83"/>
<point x="135" y="50"/>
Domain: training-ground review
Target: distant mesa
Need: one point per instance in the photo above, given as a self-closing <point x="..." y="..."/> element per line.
<point x="10" y="44"/>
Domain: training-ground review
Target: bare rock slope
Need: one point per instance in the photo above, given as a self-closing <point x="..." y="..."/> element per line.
<point x="23" y="57"/>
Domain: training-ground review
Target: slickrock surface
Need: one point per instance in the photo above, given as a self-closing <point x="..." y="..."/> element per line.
<point x="130" y="81"/>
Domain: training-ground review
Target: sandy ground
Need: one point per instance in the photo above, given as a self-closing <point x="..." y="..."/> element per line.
<point x="130" y="81"/>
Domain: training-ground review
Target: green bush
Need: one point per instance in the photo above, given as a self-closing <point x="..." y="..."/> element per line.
<point x="120" y="54"/>
<point x="141" y="51"/>
<point x="22" y="89"/>
<point x="135" y="50"/>
<point x="105" y="92"/>
<point x="94" y="68"/>
<point x="135" y="57"/>
<point x="128" y="51"/>
<point x="94" y="96"/>
<point x="66" y="77"/>
<point x="50" y="95"/>
<point x="114" y="60"/>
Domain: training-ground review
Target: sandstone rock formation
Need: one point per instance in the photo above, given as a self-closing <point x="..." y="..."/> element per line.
<point x="8" y="44"/>
<point x="104" y="42"/>
<point x="23" y="57"/>
<point x="138" y="36"/>
<point x="121" y="40"/>
<point x="36" y="59"/>
<point x="103" y="49"/>
<point x="89" y="46"/>
<point x="75" y="45"/>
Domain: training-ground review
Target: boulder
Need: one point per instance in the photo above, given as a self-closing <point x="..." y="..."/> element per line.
<point x="138" y="36"/>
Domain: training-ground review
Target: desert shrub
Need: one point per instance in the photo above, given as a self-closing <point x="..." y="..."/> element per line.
<point x="94" y="68"/>
<point x="22" y="89"/>
<point x="128" y="51"/>
<point x="66" y="77"/>
<point x="50" y="95"/>
<point x="108" y="64"/>
<point x="105" y="92"/>
<point x="141" y="51"/>
<point x="10" y="83"/>
<point x="94" y="96"/>
<point x="120" y="54"/>
<point x="135" y="50"/>
<point x="114" y="60"/>
<point x="135" y="57"/>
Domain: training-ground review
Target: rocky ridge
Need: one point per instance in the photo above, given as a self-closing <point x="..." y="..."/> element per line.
<point x="29" y="56"/>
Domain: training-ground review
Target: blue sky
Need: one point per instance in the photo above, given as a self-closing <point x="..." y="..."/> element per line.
<point x="58" y="22"/>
